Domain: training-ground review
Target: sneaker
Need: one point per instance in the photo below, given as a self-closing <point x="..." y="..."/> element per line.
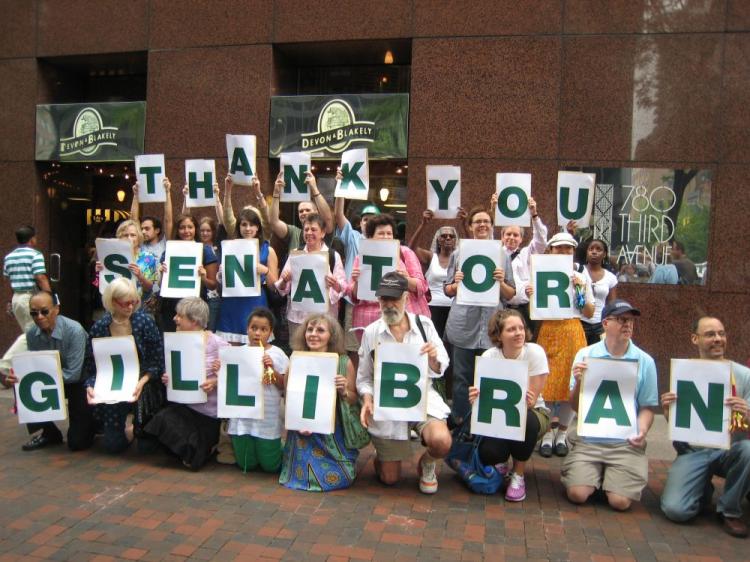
<point x="561" y="443"/>
<point x="545" y="448"/>
<point x="428" y="482"/>
<point x="516" y="491"/>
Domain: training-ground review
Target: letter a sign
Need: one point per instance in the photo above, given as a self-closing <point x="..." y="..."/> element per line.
<point x="39" y="390"/>
<point x="400" y="383"/>
<point x="607" y="399"/>
<point x="699" y="415"/>
<point x="500" y="410"/>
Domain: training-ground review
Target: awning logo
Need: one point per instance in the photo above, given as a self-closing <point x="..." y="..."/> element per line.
<point x="337" y="129"/>
<point x="89" y="133"/>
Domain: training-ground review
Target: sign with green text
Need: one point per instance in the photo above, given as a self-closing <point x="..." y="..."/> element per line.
<point x="400" y="382"/>
<point x="115" y="256"/>
<point x="355" y="171"/>
<point x="443" y="190"/>
<point x="150" y="172"/>
<point x="311" y="392"/>
<point x="553" y="297"/>
<point x="699" y="415"/>
<point x="500" y="409"/>
<point x="376" y="258"/>
<point x="575" y="197"/>
<point x="117" y="369"/>
<point x="91" y="132"/>
<point x="241" y="151"/>
<point x="239" y="385"/>
<point x="478" y="260"/>
<point x="606" y="403"/>
<point x="181" y="278"/>
<point x="239" y="267"/>
<point x="200" y="177"/>
<point x="513" y="192"/>
<point x="326" y="126"/>
<point x="40" y="394"/>
<point x="185" y="362"/>
<point x="294" y="167"/>
<point x="309" y="291"/>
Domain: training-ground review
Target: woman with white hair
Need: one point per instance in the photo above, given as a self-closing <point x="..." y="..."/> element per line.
<point x="125" y="318"/>
<point x="191" y="431"/>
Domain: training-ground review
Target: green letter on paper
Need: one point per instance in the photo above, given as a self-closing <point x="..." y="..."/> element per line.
<point x="206" y="184"/>
<point x="308" y="288"/>
<point x="502" y="202"/>
<point x="311" y="397"/>
<point x="351" y="176"/>
<point x="234" y="398"/>
<point x="292" y="178"/>
<point x="488" y="402"/>
<point x="608" y="390"/>
<point x="150" y="173"/>
<point x="443" y="193"/>
<point x="50" y="398"/>
<point x="581" y="205"/>
<point x="552" y="284"/>
<point x="182" y="272"/>
<point x="177" y="382"/>
<point x="710" y="412"/>
<point x="377" y="263"/>
<point x="246" y="273"/>
<point x="468" y="268"/>
<point x="389" y="385"/>
<point x="240" y="163"/>
<point x="117" y="263"/>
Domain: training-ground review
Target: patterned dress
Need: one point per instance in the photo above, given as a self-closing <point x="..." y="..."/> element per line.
<point x="561" y="340"/>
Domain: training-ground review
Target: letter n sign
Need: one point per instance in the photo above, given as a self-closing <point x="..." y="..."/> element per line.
<point x="700" y="415"/>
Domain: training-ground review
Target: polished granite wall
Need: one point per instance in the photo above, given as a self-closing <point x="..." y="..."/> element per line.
<point x="496" y="86"/>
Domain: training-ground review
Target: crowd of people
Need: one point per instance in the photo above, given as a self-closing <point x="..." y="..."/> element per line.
<point x="415" y="304"/>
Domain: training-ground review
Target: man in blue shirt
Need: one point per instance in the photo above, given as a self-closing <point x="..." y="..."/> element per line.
<point x="52" y="331"/>
<point x="618" y="467"/>
<point x="688" y="486"/>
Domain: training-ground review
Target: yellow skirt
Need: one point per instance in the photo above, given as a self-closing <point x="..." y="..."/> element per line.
<point x="561" y="340"/>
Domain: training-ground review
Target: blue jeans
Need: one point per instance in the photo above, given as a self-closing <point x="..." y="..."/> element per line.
<point x="463" y="377"/>
<point x="689" y="481"/>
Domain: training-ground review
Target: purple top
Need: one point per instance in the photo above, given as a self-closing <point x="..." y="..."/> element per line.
<point x="213" y="344"/>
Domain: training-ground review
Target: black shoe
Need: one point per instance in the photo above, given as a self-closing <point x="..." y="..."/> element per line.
<point x="733" y="526"/>
<point x="561" y="449"/>
<point x="545" y="450"/>
<point x="40" y="441"/>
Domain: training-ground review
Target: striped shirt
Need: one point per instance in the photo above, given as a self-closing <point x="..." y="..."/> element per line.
<point x="21" y="266"/>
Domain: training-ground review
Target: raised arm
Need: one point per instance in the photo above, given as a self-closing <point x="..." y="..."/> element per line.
<point x="228" y="219"/>
<point x="338" y="206"/>
<point x="261" y="204"/>
<point x="538" y="242"/>
<point x="168" y="220"/>
<point x="219" y="207"/>
<point x="278" y="226"/>
<point x="135" y="204"/>
<point x="324" y="210"/>
<point x="424" y="255"/>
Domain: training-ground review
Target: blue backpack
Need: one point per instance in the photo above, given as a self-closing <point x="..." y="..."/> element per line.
<point x="464" y="459"/>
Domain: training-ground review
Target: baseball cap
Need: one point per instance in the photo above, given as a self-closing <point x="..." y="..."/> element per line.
<point x="369" y="210"/>
<point x="618" y="307"/>
<point x="392" y="285"/>
<point x="562" y="239"/>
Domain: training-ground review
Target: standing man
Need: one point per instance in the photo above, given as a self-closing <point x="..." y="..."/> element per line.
<point x="24" y="266"/>
<point x="391" y="439"/>
<point x="52" y="331"/>
<point x="688" y="274"/>
<point x="688" y="486"/>
<point x="619" y="467"/>
<point x="154" y="237"/>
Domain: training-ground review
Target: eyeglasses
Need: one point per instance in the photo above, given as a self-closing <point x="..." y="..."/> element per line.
<point x="622" y="320"/>
<point x="447" y="235"/>
<point x="126" y="304"/>
<point x="43" y="312"/>
<point x="711" y="335"/>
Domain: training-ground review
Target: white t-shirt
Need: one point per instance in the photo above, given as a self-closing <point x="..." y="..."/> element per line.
<point x="536" y="358"/>
<point x="271" y="426"/>
<point x="600" y="289"/>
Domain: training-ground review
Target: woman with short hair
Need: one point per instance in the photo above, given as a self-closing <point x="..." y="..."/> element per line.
<point x="125" y="318"/>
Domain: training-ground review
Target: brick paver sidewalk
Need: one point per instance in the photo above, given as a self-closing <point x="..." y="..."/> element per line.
<point x="90" y="506"/>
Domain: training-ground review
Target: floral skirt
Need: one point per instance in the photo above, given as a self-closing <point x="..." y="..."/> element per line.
<point x="317" y="462"/>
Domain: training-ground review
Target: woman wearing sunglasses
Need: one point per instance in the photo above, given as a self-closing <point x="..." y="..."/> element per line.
<point x="124" y="317"/>
<point x="435" y="266"/>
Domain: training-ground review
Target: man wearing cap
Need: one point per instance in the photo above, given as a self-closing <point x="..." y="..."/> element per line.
<point x="618" y="467"/>
<point x="53" y="331"/>
<point x="688" y="486"/>
<point x="350" y="239"/>
<point x="390" y="438"/>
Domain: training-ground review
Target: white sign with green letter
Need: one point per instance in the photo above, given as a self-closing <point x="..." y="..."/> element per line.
<point x="241" y="150"/>
<point x="239" y="386"/>
<point x="200" y="176"/>
<point x="40" y="395"/>
<point x="500" y="409"/>
<point x="294" y="166"/>
<point x="309" y="292"/>
<point x="443" y="190"/>
<point x="182" y="260"/>
<point x="401" y="382"/>
<point x="356" y="171"/>
<point x="115" y="255"/>
<point x="513" y="192"/>
<point x="376" y="258"/>
<point x="185" y="362"/>
<point x="311" y="392"/>
<point x="478" y="260"/>
<point x="239" y="268"/>
<point x="606" y="403"/>
<point x="150" y="172"/>
<point x="553" y="297"/>
<point x="575" y="197"/>
<point x="700" y="415"/>
<point x="117" y="369"/>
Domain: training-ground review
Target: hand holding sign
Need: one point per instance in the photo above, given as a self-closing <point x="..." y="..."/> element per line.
<point x="311" y="392"/>
<point x="115" y="256"/>
<point x="117" y="370"/>
<point x="400" y="382"/>
<point x="500" y="410"/>
<point x="607" y="399"/>
<point x="37" y="377"/>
